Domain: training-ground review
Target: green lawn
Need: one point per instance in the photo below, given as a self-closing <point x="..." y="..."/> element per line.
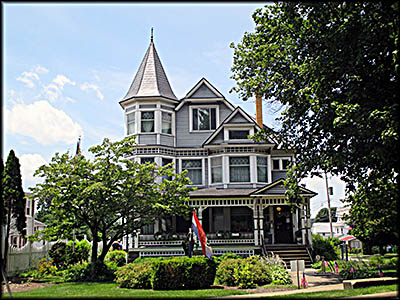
<point x="111" y="290"/>
<point x="339" y="293"/>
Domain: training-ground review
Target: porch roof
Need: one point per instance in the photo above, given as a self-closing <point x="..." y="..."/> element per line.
<point x="214" y="192"/>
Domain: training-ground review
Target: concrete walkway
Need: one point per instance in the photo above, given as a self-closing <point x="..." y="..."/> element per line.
<point x="317" y="282"/>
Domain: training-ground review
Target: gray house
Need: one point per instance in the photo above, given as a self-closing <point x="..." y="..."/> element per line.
<point x="240" y="199"/>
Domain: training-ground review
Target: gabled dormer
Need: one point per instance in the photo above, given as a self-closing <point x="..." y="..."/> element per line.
<point x="235" y="129"/>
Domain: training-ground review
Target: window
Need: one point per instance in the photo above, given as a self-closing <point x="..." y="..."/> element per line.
<point x="194" y="168"/>
<point x="216" y="169"/>
<point x="262" y="167"/>
<point x="130" y="123"/>
<point x="239" y="169"/>
<point x="238" y="134"/>
<point x="28" y="207"/>
<point x="204" y="118"/>
<point x="166" y="125"/>
<point x="166" y="161"/>
<point x="147" y="121"/>
<point x="144" y="160"/>
<point x="281" y="164"/>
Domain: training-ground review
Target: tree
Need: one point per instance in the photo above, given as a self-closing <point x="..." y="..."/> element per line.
<point x="333" y="66"/>
<point x="323" y="215"/>
<point x="111" y="195"/>
<point x="13" y="202"/>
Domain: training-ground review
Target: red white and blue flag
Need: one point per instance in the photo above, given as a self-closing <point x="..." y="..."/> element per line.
<point x="304" y="283"/>
<point x="198" y="229"/>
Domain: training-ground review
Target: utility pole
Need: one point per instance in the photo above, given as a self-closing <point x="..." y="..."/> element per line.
<point x="329" y="204"/>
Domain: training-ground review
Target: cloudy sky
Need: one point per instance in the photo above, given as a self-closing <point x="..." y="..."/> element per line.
<point x="66" y="67"/>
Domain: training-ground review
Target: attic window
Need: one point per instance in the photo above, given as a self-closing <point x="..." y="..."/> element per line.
<point x="238" y="134"/>
<point x="204" y="118"/>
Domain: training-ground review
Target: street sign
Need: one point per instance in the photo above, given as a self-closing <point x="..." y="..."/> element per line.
<point x="294" y="265"/>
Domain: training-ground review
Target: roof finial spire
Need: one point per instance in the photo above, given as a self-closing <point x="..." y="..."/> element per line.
<point x="151" y="36"/>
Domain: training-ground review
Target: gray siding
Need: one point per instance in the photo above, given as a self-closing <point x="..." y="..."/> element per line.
<point x="206" y="170"/>
<point x="148" y="139"/>
<point x="218" y="139"/>
<point x="184" y="138"/>
<point x="278" y="189"/>
<point x="203" y="92"/>
<point x="278" y="175"/>
<point x="238" y="118"/>
<point x="166" y="140"/>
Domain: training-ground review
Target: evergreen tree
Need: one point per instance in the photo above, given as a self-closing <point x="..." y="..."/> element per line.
<point x="13" y="203"/>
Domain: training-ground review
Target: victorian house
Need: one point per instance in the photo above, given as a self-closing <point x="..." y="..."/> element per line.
<point x="240" y="198"/>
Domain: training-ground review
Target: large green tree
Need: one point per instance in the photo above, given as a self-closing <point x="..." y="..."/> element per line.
<point x="111" y="195"/>
<point x="333" y="66"/>
<point x="13" y="201"/>
<point x="323" y="215"/>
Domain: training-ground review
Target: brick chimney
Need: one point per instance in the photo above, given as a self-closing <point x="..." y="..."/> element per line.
<point x="259" y="115"/>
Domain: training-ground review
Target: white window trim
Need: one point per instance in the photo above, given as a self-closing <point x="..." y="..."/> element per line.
<point x="172" y="122"/>
<point x="126" y="123"/>
<point x="251" y="169"/>
<point x="210" y="183"/>
<point x="191" y="107"/>
<point x="227" y="129"/>
<point x="140" y="120"/>
<point x="268" y="169"/>
<point x="203" y="173"/>
<point x="280" y="163"/>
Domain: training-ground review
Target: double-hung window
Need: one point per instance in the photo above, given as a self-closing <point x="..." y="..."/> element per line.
<point x="194" y="168"/>
<point x="166" y="161"/>
<point x="216" y="169"/>
<point x="204" y="118"/>
<point x="144" y="160"/>
<point x="166" y="125"/>
<point x="281" y="164"/>
<point x="147" y="121"/>
<point x="130" y="123"/>
<point x="262" y="168"/>
<point x="239" y="169"/>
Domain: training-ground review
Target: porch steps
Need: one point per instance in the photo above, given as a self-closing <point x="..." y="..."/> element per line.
<point x="291" y="252"/>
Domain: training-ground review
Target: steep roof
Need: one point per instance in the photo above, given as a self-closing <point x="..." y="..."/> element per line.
<point x="150" y="79"/>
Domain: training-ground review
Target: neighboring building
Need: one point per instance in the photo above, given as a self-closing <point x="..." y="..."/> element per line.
<point x="240" y="200"/>
<point x="32" y="225"/>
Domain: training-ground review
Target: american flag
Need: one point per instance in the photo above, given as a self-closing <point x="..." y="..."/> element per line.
<point x="380" y="271"/>
<point x="352" y="270"/>
<point x="336" y="268"/>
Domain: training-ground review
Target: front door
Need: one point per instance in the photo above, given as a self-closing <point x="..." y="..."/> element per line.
<point x="283" y="225"/>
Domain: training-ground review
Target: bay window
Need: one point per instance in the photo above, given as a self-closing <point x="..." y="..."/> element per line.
<point x="194" y="168"/>
<point x="262" y="168"/>
<point x="216" y="169"/>
<point x="130" y="123"/>
<point x="166" y="125"/>
<point x="239" y="169"/>
<point x="147" y="121"/>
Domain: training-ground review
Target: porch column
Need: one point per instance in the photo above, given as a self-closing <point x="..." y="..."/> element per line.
<point x="255" y="219"/>
<point x="308" y="221"/>
<point x="200" y="215"/>
<point x="271" y="217"/>
<point x="303" y="223"/>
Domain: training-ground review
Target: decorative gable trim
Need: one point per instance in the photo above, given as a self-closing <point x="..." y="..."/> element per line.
<point x="261" y="191"/>
<point x="209" y="85"/>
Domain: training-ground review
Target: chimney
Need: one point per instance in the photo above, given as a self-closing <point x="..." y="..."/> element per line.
<point x="259" y="115"/>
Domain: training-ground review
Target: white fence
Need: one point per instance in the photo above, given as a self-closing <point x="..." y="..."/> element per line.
<point x="25" y="258"/>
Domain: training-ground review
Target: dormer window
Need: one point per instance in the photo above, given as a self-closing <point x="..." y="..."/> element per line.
<point x="239" y="134"/>
<point x="147" y="121"/>
<point x="130" y="123"/>
<point x="204" y="118"/>
<point x="280" y="164"/>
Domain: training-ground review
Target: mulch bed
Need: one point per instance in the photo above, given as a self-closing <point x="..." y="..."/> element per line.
<point x="23" y="284"/>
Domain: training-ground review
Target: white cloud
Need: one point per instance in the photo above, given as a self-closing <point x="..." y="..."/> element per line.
<point x="61" y="80"/>
<point x="70" y="99"/>
<point x="29" y="83"/>
<point x="29" y="164"/>
<point x="42" y="122"/>
<point x="51" y="92"/>
<point x="31" y="75"/>
<point x="89" y="86"/>
<point x="40" y="69"/>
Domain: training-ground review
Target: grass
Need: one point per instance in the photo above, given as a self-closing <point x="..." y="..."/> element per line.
<point x="339" y="293"/>
<point x="111" y="290"/>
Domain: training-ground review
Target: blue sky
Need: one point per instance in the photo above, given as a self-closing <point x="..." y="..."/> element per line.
<point x="66" y="67"/>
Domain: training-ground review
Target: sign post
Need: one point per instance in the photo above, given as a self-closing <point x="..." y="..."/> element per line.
<point x="297" y="265"/>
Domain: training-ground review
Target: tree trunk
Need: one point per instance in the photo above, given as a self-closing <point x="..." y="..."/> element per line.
<point x="105" y="249"/>
<point x="6" y="242"/>
<point x="94" y="246"/>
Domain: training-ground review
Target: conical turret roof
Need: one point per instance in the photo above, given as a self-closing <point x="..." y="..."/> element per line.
<point x="150" y="79"/>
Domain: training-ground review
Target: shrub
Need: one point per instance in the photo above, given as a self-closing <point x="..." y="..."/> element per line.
<point x="246" y="273"/>
<point x="118" y="256"/>
<point x="135" y="275"/>
<point x="92" y="272"/>
<point x="63" y="254"/>
<point x="279" y="275"/>
<point x="183" y="272"/>
<point x="225" y="256"/>
<point x="46" y="267"/>
<point x="324" y="247"/>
